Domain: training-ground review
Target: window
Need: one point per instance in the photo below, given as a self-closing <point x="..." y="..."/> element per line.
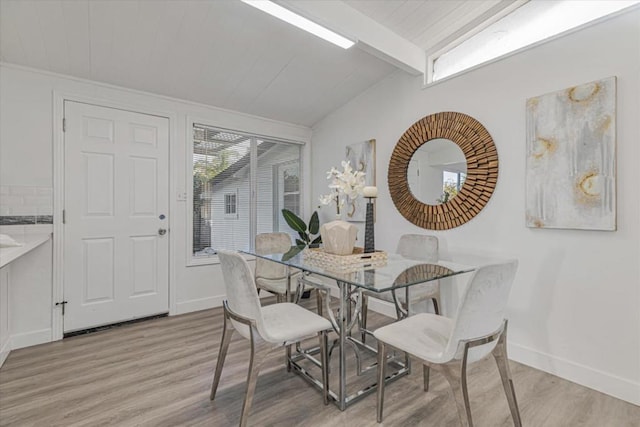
<point x="530" y="23"/>
<point x="452" y="182"/>
<point x="286" y="192"/>
<point x="233" y="178"/>
<point x="230" y="204"/>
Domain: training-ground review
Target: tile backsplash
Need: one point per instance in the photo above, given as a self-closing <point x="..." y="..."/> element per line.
<point x="21" y="204"/>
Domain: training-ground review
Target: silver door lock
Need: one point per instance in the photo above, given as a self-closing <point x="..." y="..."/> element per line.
<point x="162" y="231"/>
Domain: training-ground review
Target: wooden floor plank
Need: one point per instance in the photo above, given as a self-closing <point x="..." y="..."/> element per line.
<point x="159" y="372"/>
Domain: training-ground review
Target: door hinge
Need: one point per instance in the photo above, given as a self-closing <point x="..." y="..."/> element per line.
<point x="64" y="125"/>
<point x="64" y="216"/>
<point x="63" y="304"/>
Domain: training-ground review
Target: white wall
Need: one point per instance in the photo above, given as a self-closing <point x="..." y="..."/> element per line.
<point x="26" y="153"/>
<point x="574" y="306"/>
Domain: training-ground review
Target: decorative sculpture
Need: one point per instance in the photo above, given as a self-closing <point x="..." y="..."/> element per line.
<point x="338" y="237"/>
<point x="369" y="238"/>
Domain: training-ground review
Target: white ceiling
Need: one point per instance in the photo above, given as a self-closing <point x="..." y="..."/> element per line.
<point x="430" y="23"/>
<point x="228" y="54"/>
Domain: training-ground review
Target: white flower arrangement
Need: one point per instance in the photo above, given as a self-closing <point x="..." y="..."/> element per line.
<point x="347" y="183"/>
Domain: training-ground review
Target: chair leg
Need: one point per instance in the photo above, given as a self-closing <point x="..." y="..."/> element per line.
<point x="324" y="359"/>
<point x="382" y="365"/>
<point x="227" y="332"/>
<point x="364" y="311"/>
<point x="456" y="375"/>
<point x="397" y="304"/>
<point x="425" y="376"/>
<point x="500" y="355"/>
<point x="319" y="302"/>
<point x="436" y="304"/>
<point x="258" y="356"/>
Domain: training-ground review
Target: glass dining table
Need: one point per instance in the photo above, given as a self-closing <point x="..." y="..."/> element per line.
<point x="394" y="274"/>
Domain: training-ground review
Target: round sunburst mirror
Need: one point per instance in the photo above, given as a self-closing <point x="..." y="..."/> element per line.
<point x="461" y="196"/>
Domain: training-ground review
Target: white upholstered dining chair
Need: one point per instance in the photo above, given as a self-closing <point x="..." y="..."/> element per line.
<point x="268" y="328"/>
<point x="420" y="247"/>
<point x="272" y="276"/>
<point x="449" y="345"/>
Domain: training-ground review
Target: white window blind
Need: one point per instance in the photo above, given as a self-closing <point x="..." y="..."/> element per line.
<point x="240" y="185"/>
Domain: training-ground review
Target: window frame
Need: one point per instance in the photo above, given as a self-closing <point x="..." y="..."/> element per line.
<point x="276" y="188"/>
<point x="432" y="56"/>
<point x="187" y="195"/>
<point x="227" y="196"/>
<point x="460" y="178"/>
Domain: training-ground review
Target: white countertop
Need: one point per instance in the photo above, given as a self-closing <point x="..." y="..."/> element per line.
<point x="29" y="243"/>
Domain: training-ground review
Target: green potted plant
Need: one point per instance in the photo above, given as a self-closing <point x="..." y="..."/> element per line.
<point x="309" y="236"/>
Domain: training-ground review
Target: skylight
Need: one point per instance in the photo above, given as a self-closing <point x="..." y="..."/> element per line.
<point x="534" y="21"/>
<point x="303" y="23"/>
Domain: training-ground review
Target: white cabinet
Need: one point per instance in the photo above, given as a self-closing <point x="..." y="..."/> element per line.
<point x="4" y="314"/>
<point x="25" y="292"/>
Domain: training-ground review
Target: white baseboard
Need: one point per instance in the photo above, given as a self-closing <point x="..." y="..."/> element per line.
<point x="30" y="338"/>
<point x="618" y="387"/>
<point x="205" y="303"/>
<point x="612" y="385"/>
<point x="603" y="382"/>
<point x="4" y="351"/>
<point x="199" y="304"/>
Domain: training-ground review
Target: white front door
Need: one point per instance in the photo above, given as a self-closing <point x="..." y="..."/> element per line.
<point x="116" y="191"/>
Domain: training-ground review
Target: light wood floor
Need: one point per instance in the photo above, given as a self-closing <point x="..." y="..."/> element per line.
<point x="159" y="372"/>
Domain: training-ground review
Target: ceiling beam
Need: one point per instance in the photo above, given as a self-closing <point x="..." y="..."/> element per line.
<point x="369" y="35"/>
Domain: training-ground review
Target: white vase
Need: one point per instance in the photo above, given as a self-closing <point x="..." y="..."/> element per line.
<point x="338" y="237"/>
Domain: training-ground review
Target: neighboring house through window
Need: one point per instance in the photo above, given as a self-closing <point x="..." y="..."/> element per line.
<point x="286" y="192"/>
<point x="234" y="178"/>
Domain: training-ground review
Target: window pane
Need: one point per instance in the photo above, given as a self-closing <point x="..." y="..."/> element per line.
<point x="222" y="182"/>
<point x="278" y="185"/>
<point x="530" y="23"/>
<point x="292" y="203"/>
<point x="291" y="181"/>
<point x="221" y="177"/>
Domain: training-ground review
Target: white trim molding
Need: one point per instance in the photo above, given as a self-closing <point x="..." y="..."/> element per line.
<point x="59" y="99"/>
<point x="604" y="382"/>
<point x="28" y="339"/>
<point x="4" y="351"/>
<point x="198" y="304"/>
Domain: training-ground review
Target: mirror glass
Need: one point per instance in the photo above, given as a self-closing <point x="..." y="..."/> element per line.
<point x="437" y="171"/>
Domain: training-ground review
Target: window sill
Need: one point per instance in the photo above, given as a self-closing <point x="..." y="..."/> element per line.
<point x="211" y="260"/>
<point x="202" y="260"/>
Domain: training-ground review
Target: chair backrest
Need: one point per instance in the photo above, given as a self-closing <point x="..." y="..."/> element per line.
<point x="271" y="243"/>
<point x="482" y="308"/>
<point x="242" y="295"/>
<point x="419" y="247"/>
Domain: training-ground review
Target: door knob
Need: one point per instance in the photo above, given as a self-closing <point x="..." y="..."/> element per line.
<point x="162" y="231"/>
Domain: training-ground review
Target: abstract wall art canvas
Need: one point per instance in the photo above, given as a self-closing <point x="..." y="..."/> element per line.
<point x="362" y="157"/>
<point x="571" y="158"/>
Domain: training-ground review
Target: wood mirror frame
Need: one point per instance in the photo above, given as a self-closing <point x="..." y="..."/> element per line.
<point x="482" y="170"/>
